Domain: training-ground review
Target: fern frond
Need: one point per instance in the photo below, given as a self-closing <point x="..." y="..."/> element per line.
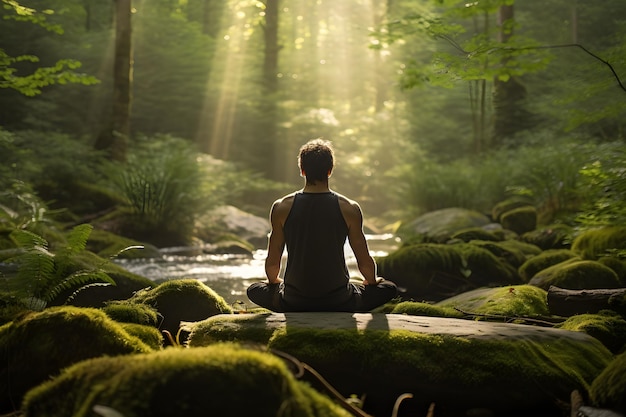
<point x="77" y="239"/>
<point x="76" y="281"/>
<point x="84" y="287"/>
<point x="26" y="239"/>
<point x="35" y="268"/>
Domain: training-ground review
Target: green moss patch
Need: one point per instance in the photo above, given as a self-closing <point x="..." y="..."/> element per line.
<point x="609" y="388"/>
<point x="606" y="326"/>
<point x="424" y="309"/>
<point x="542" y="261"/>
<point x="593" y="244"/>
<point x="220" y="380"/>
<point x="555" y="236"/>
<point x="520" y="220"/>
<point x="129" y="312"/>
<point x="511" y="301"/>
<point x="39" y="345"/>
<point x="182" y="300"/>
<point x="576" y="275"/>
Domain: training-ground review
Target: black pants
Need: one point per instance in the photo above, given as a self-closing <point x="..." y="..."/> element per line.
<point x="364" y="298"/>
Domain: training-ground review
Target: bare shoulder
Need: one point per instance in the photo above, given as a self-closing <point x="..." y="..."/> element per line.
<point x="282" y="206"/>
<point x="351" y="210"/>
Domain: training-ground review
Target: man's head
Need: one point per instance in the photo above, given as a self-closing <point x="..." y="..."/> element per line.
<point x="316" y="160"/>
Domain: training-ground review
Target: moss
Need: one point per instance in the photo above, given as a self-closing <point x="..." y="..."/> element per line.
<point x="224" y="380"/>
<point x="520" y="220"/>
<point x="239" y="327"/>
<point x="11" y="307"/>
<point x="616" y="264"/>
<point x="129" y="312"/>
<point x="542" y="261"/>
<point x="512" y="301"/>
<point x="475" y="233"/>
<point x="593" y="244"/>
<point x="507" y="205"/>
<point x="555" y="236"/>
<point x="39" y="345"/>
<point x="424" y="309"/>
<point x="606" y="326"/>
<point x="511" y="253"/>
<point x="182" y="300"/>
<point x="608" y="390"/>
<point x="485" y="268"/>
<point x="576" y="275"/>
<point x="150" y="335"/>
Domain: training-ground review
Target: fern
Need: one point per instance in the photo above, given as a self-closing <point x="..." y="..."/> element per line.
<point x="42" y="276"/>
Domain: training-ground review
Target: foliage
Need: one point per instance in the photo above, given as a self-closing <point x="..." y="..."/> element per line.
<point x="42" y="275"/>
<point x="62" y="72"/>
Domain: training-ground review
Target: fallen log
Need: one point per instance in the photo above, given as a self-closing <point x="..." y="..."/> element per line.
<point x="565" y="303"/>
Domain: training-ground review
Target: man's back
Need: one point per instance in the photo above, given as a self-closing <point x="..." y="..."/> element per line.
<point x="315" y="234"/>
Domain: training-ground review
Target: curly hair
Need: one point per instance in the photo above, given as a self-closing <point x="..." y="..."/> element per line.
<point x="317" y="160"/>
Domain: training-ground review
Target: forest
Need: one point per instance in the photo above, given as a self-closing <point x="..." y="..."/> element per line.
<point x="161" y="109"/>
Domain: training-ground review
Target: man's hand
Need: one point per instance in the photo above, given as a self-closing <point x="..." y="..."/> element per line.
<point x="378" y="281"/>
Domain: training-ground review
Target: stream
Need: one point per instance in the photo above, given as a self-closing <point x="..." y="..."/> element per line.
<point x="230" y="274"/>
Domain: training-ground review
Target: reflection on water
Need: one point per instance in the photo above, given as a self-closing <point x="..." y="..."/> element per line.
<point x="230" y="275"/>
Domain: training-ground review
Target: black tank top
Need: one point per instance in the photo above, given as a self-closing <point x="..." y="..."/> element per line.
<point x="316" y="276"/>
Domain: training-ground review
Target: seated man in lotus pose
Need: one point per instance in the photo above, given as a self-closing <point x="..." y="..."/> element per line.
<point x="313" y="224"/>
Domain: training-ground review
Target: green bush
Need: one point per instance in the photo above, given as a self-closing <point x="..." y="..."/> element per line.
<point x="595" y="243"/>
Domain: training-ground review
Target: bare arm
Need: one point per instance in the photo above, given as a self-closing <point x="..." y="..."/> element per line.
<point x="276" y="243"/>
<point x="358" y="243"/>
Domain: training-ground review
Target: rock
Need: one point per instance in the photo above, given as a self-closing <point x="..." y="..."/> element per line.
<point x="542" y="261"/>
<point x="575" y="274"/>
<point x="608" y="390"/>
<point x="223" y="380"/>
<point x="231" y="220"/>
<point x="595" y="243"/>
<point x="460" y="365"/>
<point x="520" y="220"/>
<point x="38" y="345"/>
<point x="182" y="300"/>
<point x="440" y="225"/>
<point x="607" y="326"/>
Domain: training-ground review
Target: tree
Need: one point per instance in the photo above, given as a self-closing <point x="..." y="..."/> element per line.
<point x="114" y="139"/>
<point x="63" y="72"/>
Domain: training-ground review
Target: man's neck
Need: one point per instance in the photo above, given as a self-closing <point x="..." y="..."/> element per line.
<point x="316" y="187"/>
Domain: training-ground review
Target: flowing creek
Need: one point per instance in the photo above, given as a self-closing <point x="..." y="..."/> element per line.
<point x="228" y="274"/>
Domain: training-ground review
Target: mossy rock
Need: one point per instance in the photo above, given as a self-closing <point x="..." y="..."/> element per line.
<point x="544" y="260"/>
<point x="39" y="345"/>
<point x="150" y="335"/>
<point x="438" y="226"/>
<point x="475" y="233"/>
<point x="616" y="264"/>
<point x="432" y="272"/>
<point x="416" y="268"/>
<point x="11" y="307"/>
<point x="109" y="245"/>
<point x="507" y="205"/>
<point x="608" y="390"/>
<point x="129" y="312"/>
<point x="595" y="243"/>
<point x="126" y="282"/>
<point x="576" y="274"/>
<point x="485" y="268"/>
<point x="520" y="220"/>
<point x="556" y="236"/>
<point x="222" y="380"/>
<point x="512" y="252"/>
<point x="606" y="326"/>
<point x="413" y="308"/>
<point x="182" y="300"/>
<point x="457" y="364"/>
<point x="511" y="301"/>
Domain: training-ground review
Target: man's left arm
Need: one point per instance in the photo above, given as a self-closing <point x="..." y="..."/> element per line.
<point x="358" y="243"/>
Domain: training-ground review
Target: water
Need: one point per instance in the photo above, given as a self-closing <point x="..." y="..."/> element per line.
<point x="230" y="274"/>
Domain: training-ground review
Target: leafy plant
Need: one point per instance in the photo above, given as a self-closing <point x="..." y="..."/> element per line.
<point x="43" y="275"/>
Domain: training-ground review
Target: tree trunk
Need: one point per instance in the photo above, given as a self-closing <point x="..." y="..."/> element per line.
<point x="270" y="61"/>
<point x="565" y="303"/>
<point x="510" y="116"/>
<point x="114" y="140"/>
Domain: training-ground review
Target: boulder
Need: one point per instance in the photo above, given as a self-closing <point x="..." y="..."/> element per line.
<point x="223" y="380"/>
<point x="607" y="326"/>
<point x="520" y="220"/>
<point x="595" y="243"/>
<point x="460" y="365"/>
<point x="608" y="390"/>
<point x="225" y="220"/>
<point x="39" y="345"/>
<point x="441" y="225"/>
<point x="575" y="274"/>
<point x="542" y="261"/>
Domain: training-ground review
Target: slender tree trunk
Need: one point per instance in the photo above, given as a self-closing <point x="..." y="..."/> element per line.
<point x="270" y="61"/>
<point x="510" y="116"/>
<point x="114" y="140"/>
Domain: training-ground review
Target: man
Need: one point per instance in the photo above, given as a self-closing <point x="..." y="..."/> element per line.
<point x="313" y="224"/>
